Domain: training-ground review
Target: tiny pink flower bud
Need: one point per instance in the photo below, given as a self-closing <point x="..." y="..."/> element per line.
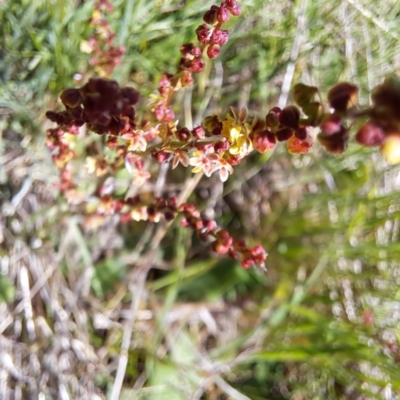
<point x="219" y="36"/>
<point x="196" y="66"/>
<point x="219" y="247"/>
<point x="213" y="51"/>
<point x="198" y="132"/>
<point x="203" y="33"/>
<point x="184" y="222"/>
<point x="223" y="14"/>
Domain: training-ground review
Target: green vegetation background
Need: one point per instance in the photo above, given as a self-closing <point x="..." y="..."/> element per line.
<point x="321" y="323"/>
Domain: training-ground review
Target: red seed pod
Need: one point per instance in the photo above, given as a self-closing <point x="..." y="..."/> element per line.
<point x="219" y="36"/>
<point x="203" y="33"/>
<point x="71" y="98"/>
<point x="290" y="117"/>
<point x="213" y="51"/>
<point x="370" y="135"/>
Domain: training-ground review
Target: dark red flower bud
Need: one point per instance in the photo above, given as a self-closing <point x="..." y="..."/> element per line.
<point x="222" y="145"/>
<point x="290" y="117"/>
<point x="71" y="98"/>
<point x="130" y="94"/>
<point x="52" y="116"/>
<point x="210" y="16"/>
<point x="183" y="135"/>
<point x="284" y="134"/>
<point x="169" y="216"/>
<point x="213" y="51"/>
<point x="301" y="133"/>
<point x="186" y="49"/>
<point x="342" y="96"/>
<point x="334" y="144"/>
<point x="370" y="135"/>
<point x="272" y="118"/>
<point x="219" y="36"/>
<point x="203" y="33"/>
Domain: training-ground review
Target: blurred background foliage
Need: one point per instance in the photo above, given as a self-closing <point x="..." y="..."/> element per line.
<point x="321" y="323"/>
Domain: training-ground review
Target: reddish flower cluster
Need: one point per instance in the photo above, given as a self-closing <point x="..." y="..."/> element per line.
<point x="105" y="54"/>
<point x="222" y="241"/>
<point x="135" y="209"/>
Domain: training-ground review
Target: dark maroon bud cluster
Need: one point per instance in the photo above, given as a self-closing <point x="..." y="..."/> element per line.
<point x="282" y="126"/>
<point x="100" y="104"/>
<point x="384" y="115"/>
